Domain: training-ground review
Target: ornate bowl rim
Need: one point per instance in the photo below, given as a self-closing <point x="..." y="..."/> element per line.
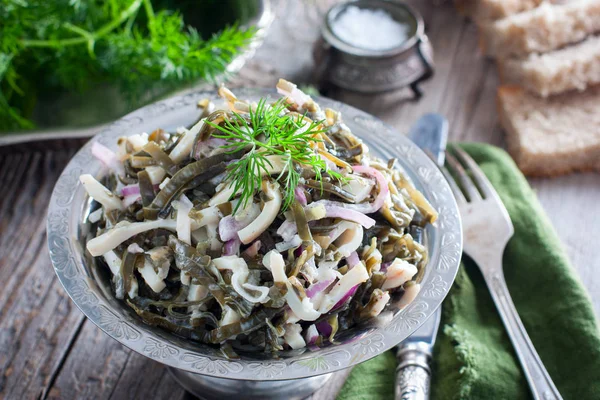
<point x="86" y="285"/>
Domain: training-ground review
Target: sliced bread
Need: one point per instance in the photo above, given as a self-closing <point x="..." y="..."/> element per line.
<point x="573" y="67"/>
<point x="551" y="136"/>
<point x="545" y="28"/>
<point x="495" y="9"/>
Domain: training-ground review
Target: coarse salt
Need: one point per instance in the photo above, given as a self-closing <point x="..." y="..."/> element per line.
<point x="372" y="29"/>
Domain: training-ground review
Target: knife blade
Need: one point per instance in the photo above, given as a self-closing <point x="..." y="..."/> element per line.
<point x="413" y="374"/>
<point x="430" y="133"/>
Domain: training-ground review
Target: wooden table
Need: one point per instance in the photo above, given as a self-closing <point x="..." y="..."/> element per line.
<point x="49" y="350"/>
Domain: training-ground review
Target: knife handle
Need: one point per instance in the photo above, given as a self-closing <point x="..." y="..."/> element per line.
<point x="413" y="374"/>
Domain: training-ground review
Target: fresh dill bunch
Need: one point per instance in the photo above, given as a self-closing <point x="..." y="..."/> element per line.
<point x="264" y="132"/>
<point x="72" y="45"/>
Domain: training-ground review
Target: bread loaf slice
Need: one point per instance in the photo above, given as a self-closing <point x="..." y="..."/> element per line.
<point x="573" y="67"/>
<point x="545" y="28"/>
<point x="495" y="9"/>
<point x="551" y="136"/>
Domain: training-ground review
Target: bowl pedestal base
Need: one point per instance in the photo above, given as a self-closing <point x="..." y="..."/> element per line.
<point x="210" y="388"/>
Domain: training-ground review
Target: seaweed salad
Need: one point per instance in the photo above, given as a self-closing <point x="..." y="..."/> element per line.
<point x="265" y="226"/>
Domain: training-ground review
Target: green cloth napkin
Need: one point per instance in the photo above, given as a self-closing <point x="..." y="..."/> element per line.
<point x="473" y="356"/>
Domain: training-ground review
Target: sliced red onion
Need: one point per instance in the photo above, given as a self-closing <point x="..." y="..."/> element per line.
<point x="383" y="189"/>
<point x="298" y="252"/>
<point x="348" y="294"/>
<point x="107" y="157"/>
<point x="324" y="328"/>
<point x="229" y="226"/>
<point x="130" y="190"/>
<point x="318" y="287"/>
<point x="253" y="249"/>
<point x="290" y="90"/>
<point x="311" y="335"/>
<point x="352" y="259"/>
<point x="300" y="196"/>
<point x="232" y="247"/>
<point x="333" y="210"/>
<point x="134" y="189"/>
<point x="356" y="212"/>
<point x="129" y="200"/>
<point x="385" y="266"/>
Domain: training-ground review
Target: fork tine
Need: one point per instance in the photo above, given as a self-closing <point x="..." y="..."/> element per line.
<point x="478" y="176"/>
<point x="458" y="194"/>
<point x="465" y="182"/>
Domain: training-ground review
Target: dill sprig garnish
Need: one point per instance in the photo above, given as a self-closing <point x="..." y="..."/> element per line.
<point x="73" y="45"/>
<point x="265" y="132"/>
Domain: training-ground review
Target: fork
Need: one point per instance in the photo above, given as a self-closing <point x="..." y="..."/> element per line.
<point x="487" y="229"/>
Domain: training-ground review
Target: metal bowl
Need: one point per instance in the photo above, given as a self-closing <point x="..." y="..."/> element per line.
<point x="89" y="286"/>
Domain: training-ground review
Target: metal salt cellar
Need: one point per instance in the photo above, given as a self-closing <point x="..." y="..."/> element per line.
<point x="344" y="65"/>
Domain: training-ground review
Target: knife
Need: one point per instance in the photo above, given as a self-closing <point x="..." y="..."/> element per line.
<point x="430" y="133"/>
<point x="413" y="374"/>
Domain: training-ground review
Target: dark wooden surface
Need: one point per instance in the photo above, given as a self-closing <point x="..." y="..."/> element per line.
<point x="49" y="350"/>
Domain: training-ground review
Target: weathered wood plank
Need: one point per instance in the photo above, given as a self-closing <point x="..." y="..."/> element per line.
<point x="14" y="172"/>
<point x="23" y="217"/>
<point x="93" y="367"/>
<point x="465" y="82"/>
<point x="65" y="352"/>
<point x="37" y="318"/>
<point x="571" y="203"/>
<point x="483" y="125"/>
<point x="34" y="343"/>
<point x="146" y="379"/>
<point x="5" y="167"/>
